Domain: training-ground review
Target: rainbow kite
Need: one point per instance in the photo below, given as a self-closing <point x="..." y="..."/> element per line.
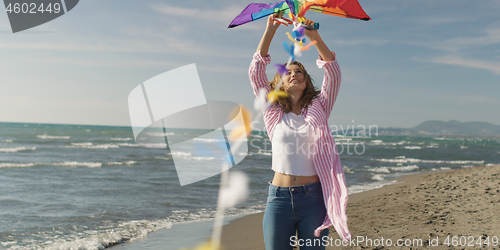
<point x="343" y="8"/>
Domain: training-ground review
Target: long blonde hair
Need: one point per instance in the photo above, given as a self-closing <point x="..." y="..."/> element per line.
<point x="310" y="92"/>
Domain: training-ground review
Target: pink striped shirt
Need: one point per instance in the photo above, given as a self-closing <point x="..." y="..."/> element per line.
<point x="326" y="159"/>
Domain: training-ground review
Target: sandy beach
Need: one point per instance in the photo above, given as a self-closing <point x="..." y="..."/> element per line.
<point x="443" y="210"/>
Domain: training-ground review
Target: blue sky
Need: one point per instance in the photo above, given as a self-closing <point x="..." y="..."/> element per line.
<point x="414" y="61"/>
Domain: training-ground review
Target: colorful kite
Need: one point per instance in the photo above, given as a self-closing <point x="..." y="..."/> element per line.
<point x="343" y="8"/>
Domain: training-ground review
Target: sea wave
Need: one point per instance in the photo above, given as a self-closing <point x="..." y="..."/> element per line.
<point x="379" y="170"/>
<point x="90" y="145"/>
<point x="181" y="154"/>
<point x="121" y="139"/>
<point x="144" y="145"/>
<point x="402" y="159"/>
<point x="378" y="177"/>
<point x="121" y="163"/>
<point x="382" y="143"/>
<point x="188" y="155"/>
<point x="72" y="164"/>
<point x="209" y="140"/>
<point x="159" y="133"/>
<point x="442" y="168"/>
<point x="412" y="147"/>
<point x="121" y="232"/>
<point x="358" y="188"/>
<point x="17" y="149"/>
<point x="101" y="239"/>
<point x="5" y="140"/>
<point x="59" y="137"/>
<point x="17" y="165"/>
<point x="347" y="170"/>
<point x="264" y="152"/>
<point x="404" y="168"/>
<point x="78" y="164"/>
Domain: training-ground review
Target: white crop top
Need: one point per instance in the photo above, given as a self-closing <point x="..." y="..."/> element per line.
<point x="293" y="138"/>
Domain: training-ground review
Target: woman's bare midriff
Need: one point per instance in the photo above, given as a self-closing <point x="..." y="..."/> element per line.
<point x="285" y="180"/>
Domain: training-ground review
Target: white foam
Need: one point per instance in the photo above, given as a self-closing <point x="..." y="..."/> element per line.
<point x="347" y="170"/>
<point x="121" y="139"/>
<point x="181" y="154"/>
<point x="199" y="158"/>
<point x="263" y="152"/>
<point x="16" y="165"/>
<point x="159" y="134"/>
<point x="5" y="140"/>
<point x="133" y="230"/>
<point x="378" y="177"/>
<point x="413" y="147"/>
<point x="377" y="142"/>
<point x="163" y="158"/>
<point x="447" y="139"/>
<point x="45" y="136"/>
<point x="209" y="140"/>
<point x="153" y="145"/>
<point x="72" y="164"/>
<point x="78" y="164"/>
<point x="92" y="239"/>
<point x="463" y="162"/>
<point x="17" y="149"/>
<point x="358" y="188"/>
<point x="90" y="145"/>
<point x="6" y="243"/>
<point x="404" y="168"/>
<point x="129" y="145"/>
<point x="144" y="145"/>
<point x="188" y="155"/>
<point x="82" y="144"/>
<point x="122" y="163"/>
<point x="402" y="159"/>
<point x="379" y="170"/>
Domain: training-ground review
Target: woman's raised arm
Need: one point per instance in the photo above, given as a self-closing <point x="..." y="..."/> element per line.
<point x="265" y="42"/>
<point x="323" y="50"/>
<point x="332" y="78"/>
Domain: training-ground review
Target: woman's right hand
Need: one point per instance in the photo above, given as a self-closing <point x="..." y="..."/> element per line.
<point x="273" y="24"/>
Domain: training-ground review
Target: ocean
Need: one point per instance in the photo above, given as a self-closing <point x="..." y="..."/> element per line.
<point x="92" y="187"/>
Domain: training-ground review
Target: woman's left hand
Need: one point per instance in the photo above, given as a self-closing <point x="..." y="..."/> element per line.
<point x="312" y="34"/>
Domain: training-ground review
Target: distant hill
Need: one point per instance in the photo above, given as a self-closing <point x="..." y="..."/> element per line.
<point x="446" y="128"/>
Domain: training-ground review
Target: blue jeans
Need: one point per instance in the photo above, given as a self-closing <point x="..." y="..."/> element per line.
<point x="291" y="210"/>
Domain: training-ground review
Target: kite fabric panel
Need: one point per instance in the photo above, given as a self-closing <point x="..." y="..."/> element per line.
<point x="255" y="11"/>
<point x="343" y="8"/>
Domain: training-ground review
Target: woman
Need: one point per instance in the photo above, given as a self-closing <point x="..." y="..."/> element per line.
<point x="308" y="193"/>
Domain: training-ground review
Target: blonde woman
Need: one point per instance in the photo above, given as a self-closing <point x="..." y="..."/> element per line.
<point x="308" y="194"/>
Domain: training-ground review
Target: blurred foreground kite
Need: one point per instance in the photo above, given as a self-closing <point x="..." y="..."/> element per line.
<point x="298" y="8"/>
